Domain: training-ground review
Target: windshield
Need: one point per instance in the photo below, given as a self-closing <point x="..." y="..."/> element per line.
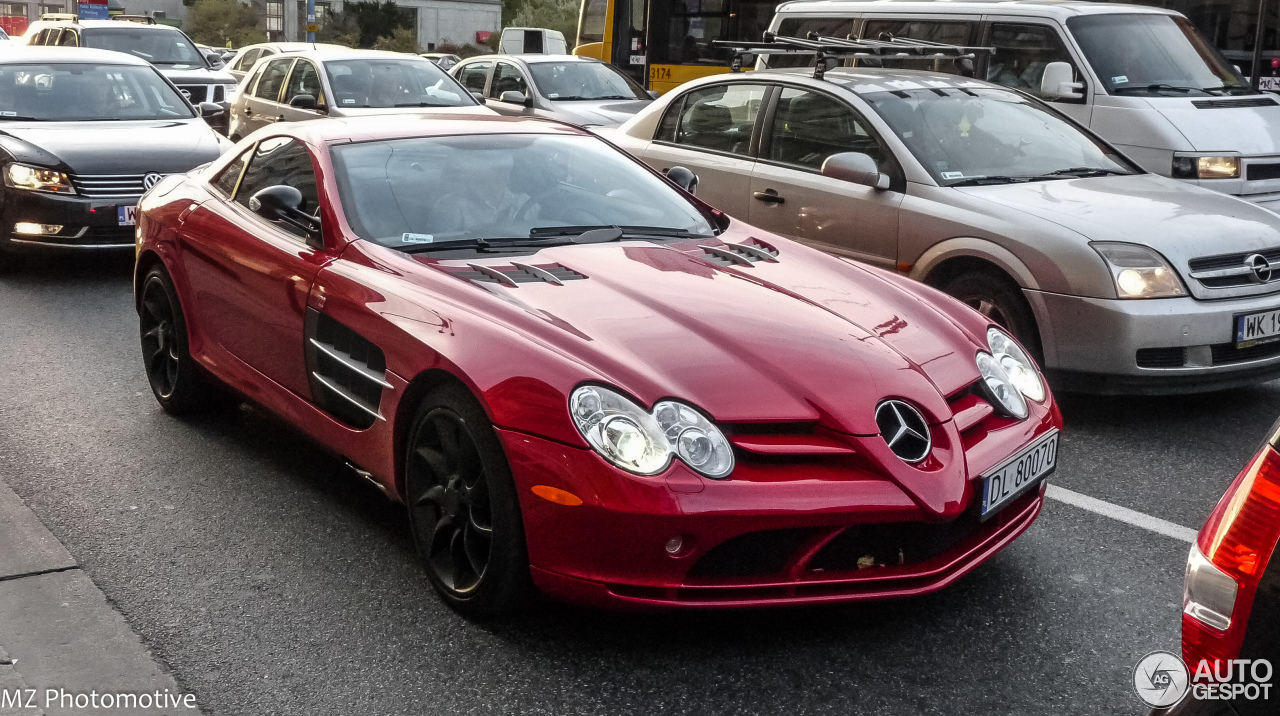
<point x="73" y="91"/>
<point x="563" y="81"/>
<point x="964" y="134"/>
<point x="1153" y="55"/>
<point x="159" y="47"/>
<point x="404" y="193"/>
<point x="393" y="83"/>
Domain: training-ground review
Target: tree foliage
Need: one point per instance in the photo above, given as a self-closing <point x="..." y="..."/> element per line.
<point x="378" y="19"/>
<point x="339" y="28"/>
<point x="402" y="39"/>
<point x="220" y="23"/>
<point x="559" y="15"/>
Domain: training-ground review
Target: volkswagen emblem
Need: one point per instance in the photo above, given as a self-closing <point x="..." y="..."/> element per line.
<point x="151" y="180"/>
<point x="904" y="430"/>
<point x="1260" y="266"/>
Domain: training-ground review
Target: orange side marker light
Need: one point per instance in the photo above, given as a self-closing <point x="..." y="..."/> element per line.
<point x="556" y="495"/>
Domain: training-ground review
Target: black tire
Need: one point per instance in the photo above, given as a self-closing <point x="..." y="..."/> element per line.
<point x="997" y="297"/>
<point x="463" y="507"/>
<point x="180" y="386"/>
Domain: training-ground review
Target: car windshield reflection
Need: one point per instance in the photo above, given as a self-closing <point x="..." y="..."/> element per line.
<point x="83" y="92"/>
<point x="386" y="83"/>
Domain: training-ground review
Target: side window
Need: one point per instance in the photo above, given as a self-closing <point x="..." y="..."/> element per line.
<point x="720" y="118"/>
<point x="809" y="126"/>
<point x="69" y="38"/>
<point x="281" y="160"/>
<point x="246" y="61"/>
<point x="273" y="75"/>
<point x="508" y="78"/>
<point x="230" y="174"/>
<point x="945" y="32"/>
<point x="1022" y="52"/>
<point x="473" y="76"/>
<point x="801" y="27"/>
<point x="304" y="80"/>
<point x="667" y="127"/>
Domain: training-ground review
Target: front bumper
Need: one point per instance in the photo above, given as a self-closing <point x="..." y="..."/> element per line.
<point x="87" y="224"/>
<point x="1168" y="345"/>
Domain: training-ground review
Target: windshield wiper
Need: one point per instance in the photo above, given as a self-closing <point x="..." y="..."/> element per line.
<point x="1229" y="88"/>
<point x="1159" y="87"/>
<point x="11" y="117"/>
<point x="627" y="231"/>
<point x="1084" y="172"/>
<point x="984" y="181"/>
<point x="422" y="104"/>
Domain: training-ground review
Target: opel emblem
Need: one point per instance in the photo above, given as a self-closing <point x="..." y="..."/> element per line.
<point x="151" y="180"/>
<point x="904" y="430"/>
<point x="1260" y="266"/>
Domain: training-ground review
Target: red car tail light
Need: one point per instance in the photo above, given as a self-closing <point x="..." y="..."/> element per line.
<point x="1227" y="563"/>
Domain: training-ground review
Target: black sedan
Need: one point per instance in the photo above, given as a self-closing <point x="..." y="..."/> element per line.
<point x="83" y="133"/>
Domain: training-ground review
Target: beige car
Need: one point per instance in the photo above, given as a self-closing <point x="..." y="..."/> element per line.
<point x="1119" y="280"/>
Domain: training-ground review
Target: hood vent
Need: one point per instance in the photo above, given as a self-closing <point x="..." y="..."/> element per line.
<point x="740" y="254"/>
<point x="516" y="273"/>
<point x="1229" y="103"/>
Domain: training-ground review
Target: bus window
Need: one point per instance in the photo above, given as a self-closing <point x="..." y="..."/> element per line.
<point x="694" y="24"/>
<point x="591" y="24"/>
<point x="948" y="32"/>
<point x="801" y="27"/>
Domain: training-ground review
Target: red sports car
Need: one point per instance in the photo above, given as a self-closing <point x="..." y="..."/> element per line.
<point x="580" y="378"/>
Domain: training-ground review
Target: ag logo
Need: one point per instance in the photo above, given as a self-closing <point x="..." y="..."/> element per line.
<point x="1160" y="679"/>
<point x="151" y="180"/>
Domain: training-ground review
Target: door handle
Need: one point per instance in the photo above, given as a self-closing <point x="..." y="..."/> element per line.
<point x="769" y="196"/>
<point x="248" y="111"/>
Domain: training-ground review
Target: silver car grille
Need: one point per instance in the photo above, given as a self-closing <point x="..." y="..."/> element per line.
<point x="203" y="93"/>
<point x="109" y="186"/>
<point x="1255" y="268"/>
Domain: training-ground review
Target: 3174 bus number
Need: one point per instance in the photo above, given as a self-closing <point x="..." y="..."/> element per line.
<point x="658" y="73"/>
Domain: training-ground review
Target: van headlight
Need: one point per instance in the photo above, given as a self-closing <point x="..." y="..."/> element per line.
<point x="641" y="442"/>
<point x="1017" y="365"/>
<point x="1138" y="271"/>
<point x="1206" y="167"/>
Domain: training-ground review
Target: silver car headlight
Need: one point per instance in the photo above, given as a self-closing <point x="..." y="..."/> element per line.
<point x="1000" y="386"/>
<point x="22" y="176"/>
<point x="1138" y="271"/>
<point x="1021" y="369"/>
<point x="637" y="441"/>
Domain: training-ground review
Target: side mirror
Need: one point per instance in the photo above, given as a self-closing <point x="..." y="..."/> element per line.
<point x="683" y="178"/>
<point x="285" y="204"/>
<point x="214" y="59"/>
<point x="653" y="94"/>
<point x="1058" y="82"/>
<point x="209" y="110"/>
<point x="303" y="101"/>
<point x="513" y="97"/>
<point x="479" y="97"/>
<point x="856" y="168"/>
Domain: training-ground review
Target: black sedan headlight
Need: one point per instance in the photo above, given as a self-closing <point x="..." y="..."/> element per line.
<point x="29" y="178"/>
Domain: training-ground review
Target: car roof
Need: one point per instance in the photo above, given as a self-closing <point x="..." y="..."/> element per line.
<point x="338" y="52"/>
<point x="1060" y="9"/>
<point x="860" y="80"/>
<point x="403" y="126"/>
<point x="112" y="23"/>
<point x="530" y="58"/>
<point x="82" y="55"/>
<point x="290" y="46"/>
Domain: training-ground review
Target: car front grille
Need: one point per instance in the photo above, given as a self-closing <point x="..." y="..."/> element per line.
<point x="1227" y="353"/>
<point x="203" y="93"/>
<point x="1262" y="172"/>
<point x="1231" y="270"/>
<point x="1174" y="357"/>
<point x="108" y="186"/>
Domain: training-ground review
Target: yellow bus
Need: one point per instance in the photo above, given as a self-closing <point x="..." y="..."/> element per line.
<point x="664" y="43"/>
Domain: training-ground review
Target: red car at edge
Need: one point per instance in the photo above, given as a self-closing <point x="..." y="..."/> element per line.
<point x="581" y="379"/>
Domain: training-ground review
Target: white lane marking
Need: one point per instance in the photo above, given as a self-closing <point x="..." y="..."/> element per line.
<point x="1123" y="514"/>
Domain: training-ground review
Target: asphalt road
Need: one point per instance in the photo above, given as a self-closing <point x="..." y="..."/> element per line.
<point x="272" y="581"/>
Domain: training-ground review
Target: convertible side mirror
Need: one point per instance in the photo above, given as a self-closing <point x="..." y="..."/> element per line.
<point x="684" y="178"/>
<point x="286" y="204"/>
<point x="303" y="101"/>
<point x="1058" y="82"/>
<point x="855" y="167"/>
<point x="513" y="97"/>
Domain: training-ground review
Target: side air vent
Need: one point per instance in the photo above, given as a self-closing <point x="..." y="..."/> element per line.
<point x="347" y="371"/>
<point x="516" y="274"/>
<point x="740" y="254"/>
<point x="1229" y="103"/>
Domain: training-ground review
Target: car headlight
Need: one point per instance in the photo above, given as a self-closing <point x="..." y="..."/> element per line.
<point x="21" y="176"/>
<point x="644" y="443"/>
<point x="1138" y="271"/>
<point x="1206" y="167"/>
<point x="1020" y="369"/>
<point x="1000" y="386"/>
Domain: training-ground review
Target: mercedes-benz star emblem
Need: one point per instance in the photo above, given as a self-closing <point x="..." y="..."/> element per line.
<point x="904" y="430"/>
<point x="1260" y="266"/>
<point x="151" y="180"/>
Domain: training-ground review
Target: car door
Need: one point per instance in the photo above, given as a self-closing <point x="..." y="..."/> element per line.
<point x="262" y="105"/>
<point x="711" y="131"/>
<point x="474" y="75"/>
<point x="507" y="77"/>
<point x="304" y="80"/>
<point x="790" y="196"/>
<point x="251" y="277"/>
<point x="1022" y="50"/>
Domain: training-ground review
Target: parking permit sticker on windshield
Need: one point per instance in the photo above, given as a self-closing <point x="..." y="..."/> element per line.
<point x="1119" y="79"/>
<point x="952" y="175"/>
<point x="6" y="113"/>
<point x="417" y="238"/>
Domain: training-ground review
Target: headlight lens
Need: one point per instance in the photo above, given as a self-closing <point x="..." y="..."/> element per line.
<point x="1138" y="271"/>
<point x="631" y="438"/>
<point x="1020" y="369"/>
<point x="1206" y="167"/>
<point x="21" y="176"/>
<point x="1001" y="387"/>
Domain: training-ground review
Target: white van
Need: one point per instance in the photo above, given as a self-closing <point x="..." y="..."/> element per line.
<point x="532" y="40"/>
<point x="1141" y="77"/>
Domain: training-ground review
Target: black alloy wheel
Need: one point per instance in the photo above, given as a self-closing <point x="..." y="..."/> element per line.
<point x="463" y="508"/>
<point x="998" y="298"/>
<point x="176" y="381"/>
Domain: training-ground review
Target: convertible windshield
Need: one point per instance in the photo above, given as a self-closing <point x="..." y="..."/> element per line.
<point x="1153" y="55"/>
<point x="393" y="83"/>
<point x="407" y="193"/>
<point x="159" y="47"/>
<point x="963" y="135"/>
<point x="565" y="81"/>
<point x="80" y="92"/>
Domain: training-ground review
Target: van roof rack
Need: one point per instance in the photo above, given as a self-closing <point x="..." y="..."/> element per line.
<point x="58" y="17"/>
<point x="140" y="19"/>
<point x="825" y="48"/>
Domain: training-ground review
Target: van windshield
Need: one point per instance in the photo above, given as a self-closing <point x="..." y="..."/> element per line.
<point x="1153" y="55"/>
<point x="159" y="47"/>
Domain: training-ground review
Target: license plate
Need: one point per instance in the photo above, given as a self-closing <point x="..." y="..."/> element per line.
<point x="1019" y="474"/>
<point x="1255" y="328"/>
<point x="128" y="215"/>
